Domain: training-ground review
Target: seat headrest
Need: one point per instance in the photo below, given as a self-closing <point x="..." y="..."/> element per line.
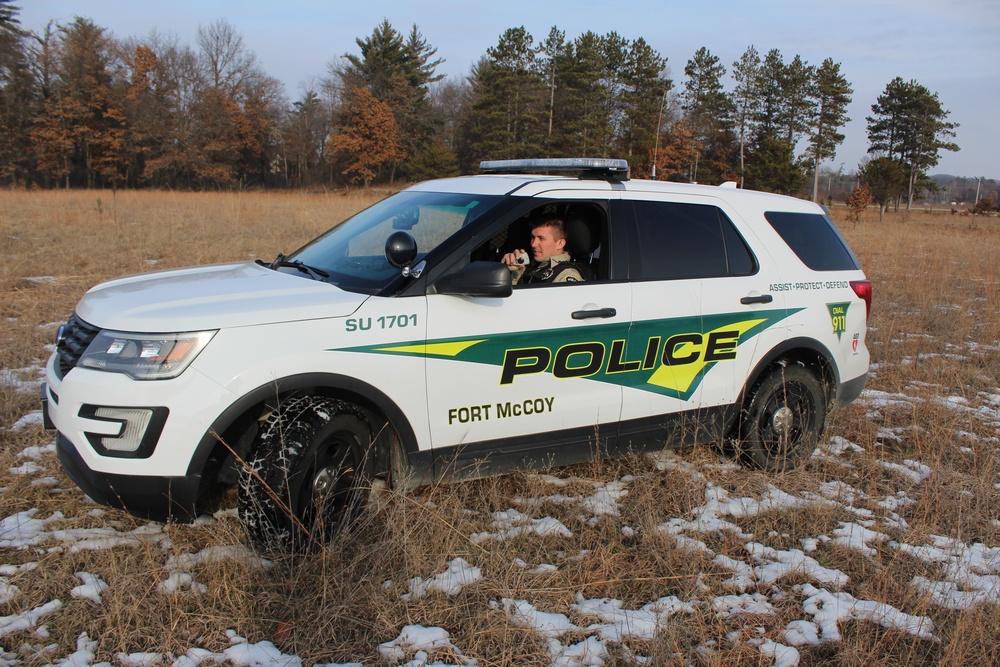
<point x="581" y="237"/>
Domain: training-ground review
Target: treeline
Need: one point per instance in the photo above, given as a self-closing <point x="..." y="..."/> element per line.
<point x="79" y="108"/>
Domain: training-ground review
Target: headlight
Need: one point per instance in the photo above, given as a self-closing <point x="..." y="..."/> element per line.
<point x="144" y="356"/>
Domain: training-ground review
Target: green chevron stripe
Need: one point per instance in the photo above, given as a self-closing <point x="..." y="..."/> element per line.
<point x="633" y="353"/>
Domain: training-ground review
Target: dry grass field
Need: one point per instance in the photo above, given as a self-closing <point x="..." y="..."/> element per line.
<point x="884" y="549"/>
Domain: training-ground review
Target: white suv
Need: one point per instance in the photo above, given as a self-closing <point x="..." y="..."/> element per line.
<point x="394" y="347"/>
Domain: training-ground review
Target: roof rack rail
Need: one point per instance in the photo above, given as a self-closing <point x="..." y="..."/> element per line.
<point x="599" y="168"/>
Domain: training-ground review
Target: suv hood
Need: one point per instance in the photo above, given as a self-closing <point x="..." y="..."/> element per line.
<point x="212" y="297"/>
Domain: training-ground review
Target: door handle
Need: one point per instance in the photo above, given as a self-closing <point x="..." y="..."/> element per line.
<point x="763" y="298"/>
<point x="600" y="312"/>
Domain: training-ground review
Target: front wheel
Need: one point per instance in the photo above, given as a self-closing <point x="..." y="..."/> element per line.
<point x="306" y="475"/>
<point x="781" y="423"/>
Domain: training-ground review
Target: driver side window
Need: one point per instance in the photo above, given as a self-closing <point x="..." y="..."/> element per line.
<point x="586" y="229"/>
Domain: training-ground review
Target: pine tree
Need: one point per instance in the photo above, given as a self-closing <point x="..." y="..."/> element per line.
<point x="783" y="114"/>
<point x="772" y="166"/>
<point x="19" y="98"/>
<point x="909" y="126"/>
<point x="10" y="38"/>
<point x="709" y="113"/>
<point x="552" y="58"/>
<point x="798" y="106"/>
<point x="768" y="120"/>
<point x="645" y="89"/>
<point x="885" y="180"/>
<point x="615" y="53"/>
<point x="508" y="100"/>
<point x="832" y="94"/>
<point x="585" y="122"/>
<point x="746" y="73"/>
<point x="397" y="71"/>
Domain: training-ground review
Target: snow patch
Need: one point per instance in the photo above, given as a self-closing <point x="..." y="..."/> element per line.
<point x="450" y="582"/>
<point x="510" y="524"/>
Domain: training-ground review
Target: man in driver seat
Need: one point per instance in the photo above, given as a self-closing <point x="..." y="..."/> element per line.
<point x="549" y="261"/>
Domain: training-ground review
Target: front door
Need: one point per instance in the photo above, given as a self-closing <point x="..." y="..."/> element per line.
<point x="525" y="378"/>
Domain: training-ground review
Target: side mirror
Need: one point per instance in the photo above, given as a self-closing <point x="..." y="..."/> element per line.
<point x="478" y="279"/>
<point x="400" y="249"/>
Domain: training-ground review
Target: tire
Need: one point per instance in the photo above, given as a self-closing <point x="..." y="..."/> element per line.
<point x="306" y="476"/>
<point x="783" y="418"/>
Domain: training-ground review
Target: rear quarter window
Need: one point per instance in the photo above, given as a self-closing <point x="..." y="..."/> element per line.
<point x="814" y="239"/>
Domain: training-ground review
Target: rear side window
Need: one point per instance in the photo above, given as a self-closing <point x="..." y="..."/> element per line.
<point x="678" y="241"/>
<point x="814" y="239"/>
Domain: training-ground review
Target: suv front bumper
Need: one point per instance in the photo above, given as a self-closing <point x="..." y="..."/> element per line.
<point x="155" y="498"/>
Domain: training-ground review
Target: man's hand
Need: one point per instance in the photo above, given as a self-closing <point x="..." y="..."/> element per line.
<point x="511" y="259"/>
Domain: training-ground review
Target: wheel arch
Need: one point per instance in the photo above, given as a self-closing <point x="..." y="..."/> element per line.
<point x="806" y="351"/>
<point x="236" y="425"/>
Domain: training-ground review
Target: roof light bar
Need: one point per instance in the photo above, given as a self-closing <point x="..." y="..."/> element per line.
<point x="588" y="167"/>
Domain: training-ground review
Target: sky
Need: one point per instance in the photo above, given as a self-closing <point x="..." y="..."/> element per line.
<point x="952" y="47"/>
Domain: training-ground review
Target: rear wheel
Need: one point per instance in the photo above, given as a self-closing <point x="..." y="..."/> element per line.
<point x="783" y="418"/>
<point x="307" y="474"/>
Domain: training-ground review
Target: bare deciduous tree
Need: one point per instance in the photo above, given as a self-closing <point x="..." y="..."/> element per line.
<point x="225" y="61"/>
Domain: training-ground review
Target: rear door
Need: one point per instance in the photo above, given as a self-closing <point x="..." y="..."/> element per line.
<point x="701" y="312"/>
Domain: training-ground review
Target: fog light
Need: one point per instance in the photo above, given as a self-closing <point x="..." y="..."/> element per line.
<point x="134" y="423"/>
<point x="138" y="430"/>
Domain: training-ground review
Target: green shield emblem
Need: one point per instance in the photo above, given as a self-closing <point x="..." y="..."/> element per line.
<point x="838" y="316"/>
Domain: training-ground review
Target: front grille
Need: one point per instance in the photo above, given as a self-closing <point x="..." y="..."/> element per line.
<point x="75" y="339"/>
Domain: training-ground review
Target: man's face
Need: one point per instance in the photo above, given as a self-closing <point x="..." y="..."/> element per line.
<point x="546" y="242"/>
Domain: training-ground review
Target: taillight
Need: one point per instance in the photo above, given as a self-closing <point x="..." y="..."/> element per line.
<point x="863" y="288"/>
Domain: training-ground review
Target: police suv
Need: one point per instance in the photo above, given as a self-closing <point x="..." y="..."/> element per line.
<point x="393" y="349"/>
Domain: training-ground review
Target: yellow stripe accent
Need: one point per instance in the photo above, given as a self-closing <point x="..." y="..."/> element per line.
<point x="437" y="349"/>
<point x="679" y="378"/>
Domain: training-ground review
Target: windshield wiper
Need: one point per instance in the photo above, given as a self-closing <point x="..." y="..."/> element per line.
<point x="280" y="261"/>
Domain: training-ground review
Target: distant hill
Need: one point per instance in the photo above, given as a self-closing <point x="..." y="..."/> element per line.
<point x="947" y="178"/>
<point x="948" y="188"/>
<point x="962" y="189"/>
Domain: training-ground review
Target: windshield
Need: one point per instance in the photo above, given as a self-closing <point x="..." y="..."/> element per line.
<point x="353" y="253"/>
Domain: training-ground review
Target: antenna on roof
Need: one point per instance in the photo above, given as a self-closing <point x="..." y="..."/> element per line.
<point x="659" y="125"/>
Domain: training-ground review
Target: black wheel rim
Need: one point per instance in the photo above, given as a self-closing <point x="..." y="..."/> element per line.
<point x="785" y="418"/>
<point x="327" y="486"/>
